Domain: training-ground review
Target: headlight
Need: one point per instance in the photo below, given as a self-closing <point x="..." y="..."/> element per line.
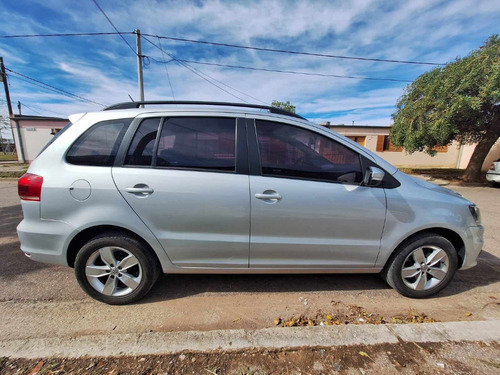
<point x="474" y="210"/>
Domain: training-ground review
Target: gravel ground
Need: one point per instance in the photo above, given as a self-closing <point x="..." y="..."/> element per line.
<point x="39" y="300"/>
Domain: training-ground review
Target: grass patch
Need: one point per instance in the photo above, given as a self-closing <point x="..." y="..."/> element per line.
<point x="8" y="156"/>
<point x="12" y="174"/>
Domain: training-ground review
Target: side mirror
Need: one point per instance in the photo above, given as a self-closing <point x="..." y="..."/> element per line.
<point x="373" y="176"/>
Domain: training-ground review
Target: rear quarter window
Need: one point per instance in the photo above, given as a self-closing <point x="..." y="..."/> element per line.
<point x="54" y="138"/>
<point x="99" y="145"/>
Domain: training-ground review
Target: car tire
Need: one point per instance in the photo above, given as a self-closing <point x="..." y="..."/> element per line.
<point x="495" y="184"/>
<point x="421" y="266"/>
<point x="116" y="268"/>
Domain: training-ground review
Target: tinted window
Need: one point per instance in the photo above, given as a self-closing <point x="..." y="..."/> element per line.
<point x="141" y="149"/>
<point x="98" y="145"/>
<point x="294" y="152"/>
<point x="197" y="142"/>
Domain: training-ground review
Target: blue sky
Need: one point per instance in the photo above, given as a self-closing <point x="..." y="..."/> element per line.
<point x="103" y="68"/>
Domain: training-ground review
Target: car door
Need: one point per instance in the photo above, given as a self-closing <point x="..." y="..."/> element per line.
<point x="185" y="178"/>
<point x="308" y="207"/>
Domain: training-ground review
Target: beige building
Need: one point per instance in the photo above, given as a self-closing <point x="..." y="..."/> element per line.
<point x="376" y="138"/>
<point x="31" y="134"/>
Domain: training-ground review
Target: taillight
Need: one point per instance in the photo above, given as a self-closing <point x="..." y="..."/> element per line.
<point x="492" y="167"/>
<point x="29" y="187"/>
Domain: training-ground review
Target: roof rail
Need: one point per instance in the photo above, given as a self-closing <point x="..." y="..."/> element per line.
<point x="128" y="105"/>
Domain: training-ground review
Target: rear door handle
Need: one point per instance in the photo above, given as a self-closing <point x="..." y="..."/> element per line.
<point x="269" y="196"/>
<point x="140" y="190"/>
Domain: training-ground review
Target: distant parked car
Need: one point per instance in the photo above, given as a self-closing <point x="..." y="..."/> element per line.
<point x="127" y="193"/>
<point x="493" y="174"/>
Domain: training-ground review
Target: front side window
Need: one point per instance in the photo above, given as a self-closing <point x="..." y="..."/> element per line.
<point x="290" y="151"/>
<point x="99" y="145"/>
<point x="198" y="143"/>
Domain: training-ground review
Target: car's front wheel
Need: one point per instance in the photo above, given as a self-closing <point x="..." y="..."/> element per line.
<point x="422" y="266"/>
<point x="116" y="269"/>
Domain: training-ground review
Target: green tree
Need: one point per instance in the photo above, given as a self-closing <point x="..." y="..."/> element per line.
<point x="460" y="101"/>
<point x="286" y="106"/>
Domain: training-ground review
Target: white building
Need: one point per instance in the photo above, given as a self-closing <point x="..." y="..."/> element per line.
<point x="31" y="133"/>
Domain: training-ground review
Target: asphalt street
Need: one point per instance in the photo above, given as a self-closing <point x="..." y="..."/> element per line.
<point x="39" y="300"/>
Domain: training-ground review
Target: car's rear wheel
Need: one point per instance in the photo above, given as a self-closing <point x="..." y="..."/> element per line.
<point x="422" y="266"/>
<point x="116" y="269"/>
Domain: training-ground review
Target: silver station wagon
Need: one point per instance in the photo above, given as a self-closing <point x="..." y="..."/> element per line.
<point x="144" y="188"/>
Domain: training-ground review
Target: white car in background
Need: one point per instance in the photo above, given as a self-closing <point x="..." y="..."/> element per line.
<point x="493" y="174"/>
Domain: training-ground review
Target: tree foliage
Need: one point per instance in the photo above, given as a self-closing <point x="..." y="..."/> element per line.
<point x="460" y="101"/>
<point x="283" y="105"/>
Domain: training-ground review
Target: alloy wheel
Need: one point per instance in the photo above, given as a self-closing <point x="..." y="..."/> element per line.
<point x="113" y="271"/>
<point x="425" y="267"/>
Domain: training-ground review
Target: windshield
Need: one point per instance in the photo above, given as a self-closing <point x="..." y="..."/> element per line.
<point x="57" y="135"/>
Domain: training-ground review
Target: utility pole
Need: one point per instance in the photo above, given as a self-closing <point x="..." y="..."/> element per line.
<point x="3" y="78"/>
<point x="139" y="64"/>
<point x="19" y="145"/>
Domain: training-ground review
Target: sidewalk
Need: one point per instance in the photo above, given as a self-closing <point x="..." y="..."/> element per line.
<point x="432" y="348"/>
<point x="268" y="338"/>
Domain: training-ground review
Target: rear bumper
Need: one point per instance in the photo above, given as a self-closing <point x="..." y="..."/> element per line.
<point x="473" y="246"/>
<point x="493" y="177"/>
<point x="45" y="240"/>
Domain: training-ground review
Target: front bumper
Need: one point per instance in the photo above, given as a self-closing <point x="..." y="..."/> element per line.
<point x="473" y="246"/>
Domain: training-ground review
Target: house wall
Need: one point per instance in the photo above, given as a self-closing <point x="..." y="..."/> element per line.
<point x="493" y="155"/>
<point x="35" y="134"/>
<point x="456" y="156"/>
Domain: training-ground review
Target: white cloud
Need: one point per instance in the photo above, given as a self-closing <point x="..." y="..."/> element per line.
<point x="103" y="68"/>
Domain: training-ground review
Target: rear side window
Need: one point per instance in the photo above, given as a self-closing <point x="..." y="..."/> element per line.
<point x="290" y="151"/>
<point x="198" y="143"/>
<point x="99" y="145"/>
<point x="141" y="149"/>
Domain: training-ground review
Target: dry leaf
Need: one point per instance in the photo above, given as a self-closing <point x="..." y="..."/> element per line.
<point x="364" y="354"/>
<point x="37" y="368"/>
<point x="277" y="321"/>
<point x="468" y="314"/>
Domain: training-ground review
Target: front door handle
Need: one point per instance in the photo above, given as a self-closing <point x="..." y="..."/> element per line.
<point x="141" y="190"/>
<point x="269" y="196"/>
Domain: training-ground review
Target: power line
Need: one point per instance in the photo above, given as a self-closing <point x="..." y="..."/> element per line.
<point x="221" y="45"/>
<point x="114" y="27"/>
<point x="48" y="88"/>
<point x="166" y="69"/>
<point x="43" y="87"/>
<point x="52" y="88"/>
<point x="27" y="106"/>
<point x="287" y="71"/>
<point x="36" y="109"/>
<point x="61" y="35"/>
<point x="292" y="52"/>
<point x="200" y="74"/>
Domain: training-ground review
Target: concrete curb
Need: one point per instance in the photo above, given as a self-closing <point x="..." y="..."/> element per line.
<point x="268" y="338"/>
